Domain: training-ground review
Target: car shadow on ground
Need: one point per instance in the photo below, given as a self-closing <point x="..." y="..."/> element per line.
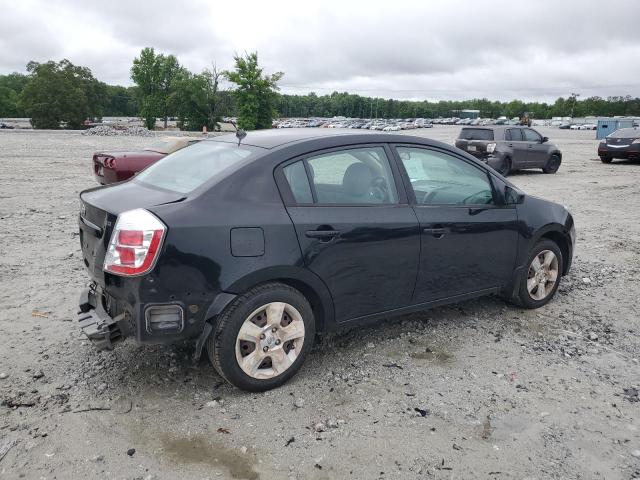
<point x="524" y="173"/>
<point x="168" y="369"/>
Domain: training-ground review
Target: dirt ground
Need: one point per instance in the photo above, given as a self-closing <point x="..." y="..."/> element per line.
<point x="476" y="390"/>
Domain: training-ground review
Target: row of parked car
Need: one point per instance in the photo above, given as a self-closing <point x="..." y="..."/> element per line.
<point x="387" y="125"/>
<point x="505" y="148"/>
<point x="574" y="126"/>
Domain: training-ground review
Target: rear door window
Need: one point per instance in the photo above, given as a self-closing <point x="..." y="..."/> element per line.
<point x="513" y="135"/>
<point x="298" y="181"/>
<point x="476" y="134"/>
<point x="356" y="176"/>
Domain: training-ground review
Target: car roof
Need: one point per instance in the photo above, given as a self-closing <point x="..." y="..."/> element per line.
<point x="273" y="138"/>
<point x="492" y="127"/>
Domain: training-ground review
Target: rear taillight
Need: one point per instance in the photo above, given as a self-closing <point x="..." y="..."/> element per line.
<point x="135" y="243"/>
<point x="109" y="162"/>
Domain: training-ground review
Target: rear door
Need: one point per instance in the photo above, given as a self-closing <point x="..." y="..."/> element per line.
<point x="468" y="240"/>
<point x="537" y="152"/>
<point x="515" y="140"/>
<point x="355" y="227"/>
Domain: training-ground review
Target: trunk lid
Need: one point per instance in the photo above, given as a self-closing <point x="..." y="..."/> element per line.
<point x="99" y="210"/>
<point x="474" y="147"/>
<point x="474" y="140"/>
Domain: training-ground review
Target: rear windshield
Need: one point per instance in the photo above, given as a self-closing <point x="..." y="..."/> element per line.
<point x="626" y="133"/>
<point x="476" y="134"/>
<point x="165" y="146"/>
<point x="189" y="168"/>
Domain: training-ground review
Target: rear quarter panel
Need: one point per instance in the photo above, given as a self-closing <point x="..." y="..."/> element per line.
<point x="197" y="261"/>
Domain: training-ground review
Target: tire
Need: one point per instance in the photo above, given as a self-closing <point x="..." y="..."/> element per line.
<point x="252" y="310"/>
<point x="606" y="159"/>
<point x="505" y="168"/>
<point x="529" y="294"/>
<point x="553" y="164"/>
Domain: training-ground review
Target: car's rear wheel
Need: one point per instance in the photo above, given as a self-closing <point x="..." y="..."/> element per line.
<point x="553" y="164"/>
<point x="606" y="159"/>
<point x="505" y="168"/>
<point x="540" y="279"/>
<point x="261" y="340"/>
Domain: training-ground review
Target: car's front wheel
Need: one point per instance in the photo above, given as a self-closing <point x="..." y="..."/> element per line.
<point x="541" y="277"/>
<point x="606" y="159"/>
<point x="261" y="340"/>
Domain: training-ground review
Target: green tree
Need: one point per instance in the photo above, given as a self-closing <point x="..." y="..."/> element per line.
<point x="61" y="92"/>
<point x="121" y="102"/>
<point x="255" y="94"/>
<point x="155" y="77"/>
<point x="196" y="100"/>
<point x="10" y="88"/>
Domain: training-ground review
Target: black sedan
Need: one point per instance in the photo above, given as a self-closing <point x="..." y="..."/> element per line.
<point x="250" y="248"/>
<point x="623" y="144"/>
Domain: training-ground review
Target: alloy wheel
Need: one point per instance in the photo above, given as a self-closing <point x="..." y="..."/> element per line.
<point x="542" y="275"/>
<point x="270" y="340"/>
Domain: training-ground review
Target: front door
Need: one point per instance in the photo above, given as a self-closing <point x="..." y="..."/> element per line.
<point x="468" y="241"/>
<point x="355" y="228"/>
<point x="537" y="152"/>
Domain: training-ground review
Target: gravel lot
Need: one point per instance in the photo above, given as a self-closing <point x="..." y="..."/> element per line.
<point x="476" y="390"/>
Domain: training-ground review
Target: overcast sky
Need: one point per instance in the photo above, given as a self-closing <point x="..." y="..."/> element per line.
<point x="445" y="49"/>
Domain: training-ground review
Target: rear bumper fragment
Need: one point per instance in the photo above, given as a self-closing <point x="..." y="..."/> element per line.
<point x="96" y="323"/>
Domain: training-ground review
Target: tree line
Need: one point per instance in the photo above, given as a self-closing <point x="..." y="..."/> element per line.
<point x="356" y="106"/>
<point x="61" y="94"/>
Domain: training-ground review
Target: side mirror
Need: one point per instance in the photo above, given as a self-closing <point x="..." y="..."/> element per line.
<point x="513" y="196"/>
<point x="545" y="139"/>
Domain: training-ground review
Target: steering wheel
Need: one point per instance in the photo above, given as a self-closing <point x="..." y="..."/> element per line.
<point x="481" y="196"/>
<point x="428" y="197"/>
<point x="379" y="189"/>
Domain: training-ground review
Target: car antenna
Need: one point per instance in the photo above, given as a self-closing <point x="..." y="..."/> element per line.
<point x="240" y="134"/>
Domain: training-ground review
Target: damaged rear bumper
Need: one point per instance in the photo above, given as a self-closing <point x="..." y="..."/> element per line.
<point x="96" y="323"/>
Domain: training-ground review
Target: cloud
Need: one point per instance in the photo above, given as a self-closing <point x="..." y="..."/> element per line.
<point x="403" y="49"/>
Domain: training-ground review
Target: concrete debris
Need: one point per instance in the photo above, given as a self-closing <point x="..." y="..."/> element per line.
<point x="128" y="131"/>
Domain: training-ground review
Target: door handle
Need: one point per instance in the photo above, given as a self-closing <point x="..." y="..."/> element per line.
<point x="510" y="145"/>
<point x="436" y="232"/>
<point x="325" y="235"/>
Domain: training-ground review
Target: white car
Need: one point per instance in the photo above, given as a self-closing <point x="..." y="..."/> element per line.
<point x="575" y="127"/>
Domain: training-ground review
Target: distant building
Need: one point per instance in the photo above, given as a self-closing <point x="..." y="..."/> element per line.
<point x="467" y="114"/>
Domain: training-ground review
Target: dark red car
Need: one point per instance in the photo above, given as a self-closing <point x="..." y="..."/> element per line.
<point x="119" y="165"/>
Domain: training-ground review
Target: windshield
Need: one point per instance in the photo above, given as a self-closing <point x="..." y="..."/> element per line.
<point x="189" y="168"/>
<point x="626" y="133"/>
<point x="476" y="134"/>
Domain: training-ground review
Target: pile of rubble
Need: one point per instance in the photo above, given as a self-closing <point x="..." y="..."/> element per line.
<point x="126" y="131"/>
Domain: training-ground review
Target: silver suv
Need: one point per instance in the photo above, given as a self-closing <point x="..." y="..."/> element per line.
<point x="509" y="147"/>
